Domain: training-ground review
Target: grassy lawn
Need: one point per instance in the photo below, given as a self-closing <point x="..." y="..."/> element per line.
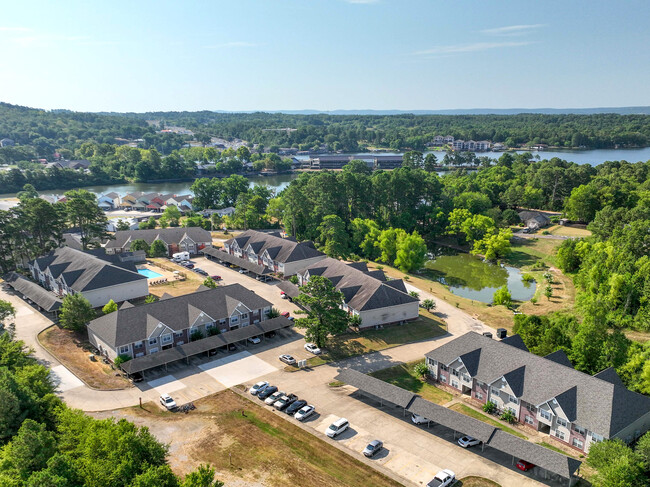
<point x="247" y="441"/>
<point x="467" y="411"/>
<point x="72" y="350"/>
<point x="175" y="288"/>
<point x="551" y="447"/>
<point x="350" y="344"/>
<point x="476" y="482"/>
<point x="403" y="376"/>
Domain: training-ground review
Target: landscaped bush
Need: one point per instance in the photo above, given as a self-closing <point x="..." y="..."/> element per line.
<point x="120" y="359"/>
<point x="527" y="277"/>
<point x="273" y="313"/>
<point x="508" y="416"/>
<point x="489" y="407"/>
<point x="421" y="369"/>
<point x="213" y="331"/>
<point x="196" y="335"/>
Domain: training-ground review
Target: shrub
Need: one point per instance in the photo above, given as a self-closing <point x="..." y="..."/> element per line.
<point x="355" y="321"/>
<point x="421" y="369"/>
<point x="273" y="313"/>
<point x="508" y="416"/>
<point x="294" y="280"/>
<point x="120" y="359"/>
<point x="533" y="300"/>
<point x="429" y="304"/>
<point x="527" y="277"/>
<point x="150" y="299"/>
<point x="502" y="296"/>
<point x="489" y="407"/>
<point x="546" y="232"/>
<point x="414" y="294"/>
<point x="212" y="331"/>
<point x="196" y="335"/>
<point x="380" y="267"/>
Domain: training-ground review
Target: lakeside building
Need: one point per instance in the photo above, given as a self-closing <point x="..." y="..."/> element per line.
<point x="99" y="277"/>
<point x="337" y="161"/>
<point x="544" y="393"/>
<point x="176" y="239"/>
<point x="471" y="145"/>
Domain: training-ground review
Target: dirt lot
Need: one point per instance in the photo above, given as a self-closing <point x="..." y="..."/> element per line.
<point x="175" y="288"/>
<point x="249" y="445"/>
<point x="72" y="350"/>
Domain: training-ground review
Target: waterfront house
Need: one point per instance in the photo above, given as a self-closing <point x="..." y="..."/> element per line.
<point x="109" y="201"/>
<point x="544" y="393"/>
<point x="534" y="220"/>
<point x="151" y="328"/>
<point x="97" y="276"/>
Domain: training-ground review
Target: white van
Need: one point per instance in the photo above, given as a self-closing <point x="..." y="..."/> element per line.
<point x="181" y="256"/>
<point x="337" y="427"/>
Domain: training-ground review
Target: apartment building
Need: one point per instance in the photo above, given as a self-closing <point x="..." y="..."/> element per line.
<point x="176" y="239"/>
<point x="545" y="393"/>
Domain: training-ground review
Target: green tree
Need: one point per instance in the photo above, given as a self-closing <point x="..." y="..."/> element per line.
<point x="430" y="162"/>
<point x="209" y="282"/>
<point x="139" y="244"/>
<point x="109" y="307"/>
<point x="203" y="476"/>
<point x="333" y="236"/>
<point x="122" y="225"/>
<point x="583" y="203"/>
<point x="76" y="311"/>
<point x="324" y="313"/>
<point x="548" y="292"/>
<point x="84" y="214"/>
<point x="617" y="465"/>
<point x="429" y="304"/>
<point x="160" y="476"/>
<point x="7" y="315"/>
<point x="157" y="249"/>
<point x="413" y="159"/>
<point x="172" y="215"/>
<point x="388" y="243"/>
<point x="28" y="192"/>
<point x="29" y="450"/>
<point x="502" y="296"/>
<point x="411" y="252"/>
<point x="494" y="246"/>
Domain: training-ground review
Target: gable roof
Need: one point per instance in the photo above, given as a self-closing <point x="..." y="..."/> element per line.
<point x="600" y="405"/>
<point x="280" y="249"/>
<point x="86" y="271"/>
<point x="123" y="238"/>
<point x="515" y="341"/>
<point x="610" y="376"/>
<point x="361" y="290"/>
<point x="560" y="357"/>
<point x="41" y="296"/>
<point x="130" y="325"/>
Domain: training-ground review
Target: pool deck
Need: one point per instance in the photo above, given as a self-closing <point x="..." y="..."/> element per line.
<point x="164" y="274"/>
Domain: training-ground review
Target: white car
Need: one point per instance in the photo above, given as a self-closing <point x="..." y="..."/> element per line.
<point x="311" y="347"/>
<point x="443" y="478"/>
<point x="337" y="427"/>
<point x="167" y="401"/>
<point x="254" y="340"/>
<point x="417" y="419"/>
<point x="467" y="441"/>
<point x="259" y="387"/>
<point x="304" y="412"/>
<point x="287" y="359"/>
<point x="273" y="397"/>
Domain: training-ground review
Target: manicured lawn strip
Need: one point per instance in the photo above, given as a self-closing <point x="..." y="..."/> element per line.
<point x="349" y="345"/>
<point x="403" y="376"/>
<point x="551" y="447"/>
<point x="476" y="482"/>
<point x="467" y="411"/>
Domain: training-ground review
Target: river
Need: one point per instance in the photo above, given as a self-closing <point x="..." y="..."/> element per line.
<point x="281" y="181"/>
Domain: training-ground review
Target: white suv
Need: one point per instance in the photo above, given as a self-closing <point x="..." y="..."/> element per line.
<point x="337" y="427"/>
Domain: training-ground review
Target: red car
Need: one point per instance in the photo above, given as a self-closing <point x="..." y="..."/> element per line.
<point x="524" y="465"/>
<point x="216" y="278"/>
<point x="285" y="314"/>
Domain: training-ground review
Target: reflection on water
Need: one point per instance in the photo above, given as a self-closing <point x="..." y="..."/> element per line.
<point x="471" y="278"/>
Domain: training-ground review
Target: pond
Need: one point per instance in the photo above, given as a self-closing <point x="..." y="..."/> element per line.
<point x="469" y="277"/>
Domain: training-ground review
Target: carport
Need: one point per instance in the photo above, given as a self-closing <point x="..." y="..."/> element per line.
<point x="221" y="256"/>
<point x="289" y="288"/>
<point x="545" y="459"/>
<point x="44" y="299"/>
<point x="377" y="389"/>
<point x="188" y="350"/>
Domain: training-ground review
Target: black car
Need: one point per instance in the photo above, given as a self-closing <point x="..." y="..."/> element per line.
<point x="285" y="401"/>
<point x="267" y="392"/>
<point x="295" y="407"/>
<point x="269" y="334"/>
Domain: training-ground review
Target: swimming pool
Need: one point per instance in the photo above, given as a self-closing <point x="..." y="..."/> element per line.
<point x="149" y="274"/>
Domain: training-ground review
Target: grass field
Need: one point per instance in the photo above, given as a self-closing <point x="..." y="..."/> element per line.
<point x="176" y="288"/>
<point x="476" y="482"/>
<point x="72" y="350"/>
<point x="403" y="376"/>
<point x="551" y="447"/>
<point x="350" y="344"/>
<point x="467" y="411"/>
<point x="245" y="441"/>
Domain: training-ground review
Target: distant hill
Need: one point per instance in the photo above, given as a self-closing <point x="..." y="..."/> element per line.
<point x="473" y="111"/>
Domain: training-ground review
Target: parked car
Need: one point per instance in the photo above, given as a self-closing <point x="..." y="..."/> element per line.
<point x="288" y="359"/>
<point x="295" y="406"/>
<point x="231" y="347"/>
<point x="189" y="265"/>
<point x="283" y="295"/>
<point x="285" y="314"/>
<point x="285" y="401"/>
<point x="254" y="340"/>
<point x="216" y="278"/>
<point x="373" y="448"/>
<point x="269" y="334"/>
<point x="243" y="271"/>
<point x="311" y="347"/>
<point x="417" y="419"/>
<point x="268" y="390"/>
<point x="167" y="401"/>
<point x="525" y="466"/>
<point x="273" y="397"/>
<point x="259" y="387"/>
<point x="443" y="479"/>
<point x="468" y="441"/>
<point x="337" y="427"/>
<point x="304" y="412"/>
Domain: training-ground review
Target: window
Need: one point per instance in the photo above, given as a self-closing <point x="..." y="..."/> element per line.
<point x="529" y="420"/>
<point x="222" y="322"/>
<point x="454" y="383"/>
<point x="596" y="437"/>
<point x="559" y="434"/>
<point x="234" y="319"/>
<point x="443" y="367"/>
<point x="153" y="350"/>
<point x="455" y="373"/>
<point x="166" y="338"/>
<point x="153" y="341"/>
<point x="466" y="378"/>
<point x="561" y="422"/>
<point x="579" y="430"/>
<point x="209" y="325"/>
<point x="513" y="399"/>
<point x="578" y="443"/>
<point x="244" y="316"/>
<point x="545" y="414"/>
<point x="495" y="392"/>
<point x="443" y="379"/>
<point x="531" y="408"/>
<point x="124" y="349"/>
<point x="430" y="361"/>
<point x="138" y="345"/>
<point x="478" y="395"/>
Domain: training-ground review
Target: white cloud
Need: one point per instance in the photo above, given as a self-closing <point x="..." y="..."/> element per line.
<point x="512" y="30"/>
<point x="474" y="47"/>
<point x="228" y="45"/>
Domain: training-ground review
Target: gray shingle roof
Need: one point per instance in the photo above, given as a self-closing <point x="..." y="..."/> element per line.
<point x="130" y="325"/>
<point x="376" y="387"/>
<point x="233" y="259"/>
<point x="41" y="296"/>
<point x="515" y="341"/>
<point x="170" y="236"/>
<point x="280" y="249"/>
<point x="84" y="271"/>
<point x="611" y="376"/>
<point x="600" y="406"/>
<point x="560" y="357"/>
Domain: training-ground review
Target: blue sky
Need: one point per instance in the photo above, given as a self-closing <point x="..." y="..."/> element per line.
<point x="324" y="54"/>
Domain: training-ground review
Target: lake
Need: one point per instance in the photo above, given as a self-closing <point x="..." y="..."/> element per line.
<point x="469" y="277"/>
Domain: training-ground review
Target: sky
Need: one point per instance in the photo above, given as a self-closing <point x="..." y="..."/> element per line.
<point x="324" y="54"/>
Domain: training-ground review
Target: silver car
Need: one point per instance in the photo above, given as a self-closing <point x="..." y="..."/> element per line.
<point x="373" y="448"/>
<point x="273" y="397"/>
<point x="304" y="412"/>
